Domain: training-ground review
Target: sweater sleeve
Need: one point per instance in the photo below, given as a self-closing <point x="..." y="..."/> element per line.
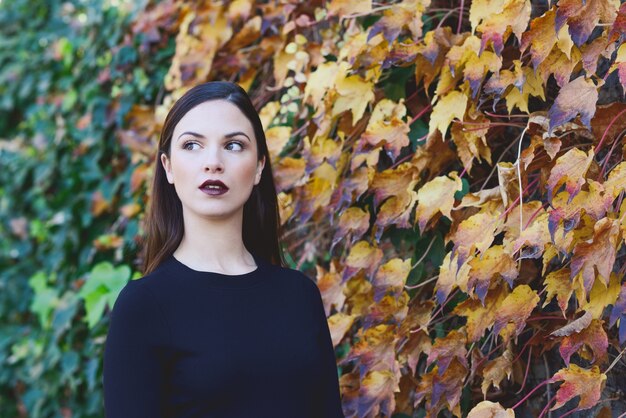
<point x="133" y="371"/>
<point x="330" y="395"/>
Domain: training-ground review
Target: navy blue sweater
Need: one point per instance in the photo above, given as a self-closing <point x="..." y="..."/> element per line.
<point x="185" y="343"/>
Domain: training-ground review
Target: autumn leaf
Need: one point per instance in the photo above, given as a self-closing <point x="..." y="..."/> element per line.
<point x="343" y="8"/>
<point x="592" y="336"/>
<point x="377" y="392"/>
<point x="619" y="313"/>
<point x="559" y="283"/>
<point x="362" y="256"/>
<point x="570" y="168"/>
<point x="514" y="311"/>
<point x="481" y="316"/>
<point x="586" y="383"/>
<point x="583" y="16"/>
<point x="488" y="409"/>
<point x="353" y="222"/>
<point x="436" y="196"/>
<point x="441" y="390"/>
<point x="600" y="296"/>
<point x="353" y="93"/>
<point x="451" y="276"/>
<point x="331" y="288"/>
<point x="474" y="233"/>
<point x="579" y="96"/>
<point x="496" y="20"/>
<point x="447" y="348"/>
<point x="391" y="276"/>
<point x="494" y="263"/>
<point x="450" y="106"/>
<point x="339" y="324"/>
<point x="597" y="254"/>
<point x="386" y="126"/>
<point x="496" y="370"/>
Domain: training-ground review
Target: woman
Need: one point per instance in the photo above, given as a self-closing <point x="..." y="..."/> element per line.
<point x="217" y="326"/>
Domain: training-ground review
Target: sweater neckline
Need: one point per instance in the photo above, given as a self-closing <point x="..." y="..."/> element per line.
<point x="222" y="280"/>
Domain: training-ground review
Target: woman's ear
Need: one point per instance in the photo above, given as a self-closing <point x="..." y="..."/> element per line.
<point x="167" y="166"/>
<point x="260" y="165"/>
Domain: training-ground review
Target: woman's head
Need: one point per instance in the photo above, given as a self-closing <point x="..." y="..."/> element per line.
<point x="213" y="132"/>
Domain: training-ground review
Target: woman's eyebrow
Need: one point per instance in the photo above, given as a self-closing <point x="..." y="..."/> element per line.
<point x="230" y="135"/>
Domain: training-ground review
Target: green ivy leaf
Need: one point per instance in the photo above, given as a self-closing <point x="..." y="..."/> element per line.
<point x="102" y="288"/>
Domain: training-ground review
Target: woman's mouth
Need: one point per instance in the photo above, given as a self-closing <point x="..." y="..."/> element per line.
<point x="213" y="187"/>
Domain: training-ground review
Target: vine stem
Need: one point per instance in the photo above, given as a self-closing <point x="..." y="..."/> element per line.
<point x="606" y="131"/>
<point x="535" y="389"/>
<point x="519" y="178"/>
<point x="619" y="356"/>
<point x="458" y="26"/>
<point x="544" y="410"/>
<point x="530" y="353"/>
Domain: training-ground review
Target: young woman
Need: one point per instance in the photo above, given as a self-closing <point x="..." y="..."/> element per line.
<point x="217" y="326"/>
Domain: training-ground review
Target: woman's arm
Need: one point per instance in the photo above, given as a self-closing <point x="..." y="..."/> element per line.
<point x="330" y="395"/>
<point x="133" y="369"/>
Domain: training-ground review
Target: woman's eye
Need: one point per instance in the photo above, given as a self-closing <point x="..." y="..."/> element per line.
<point x="239" y="144"/>
<point x="188" y="143"/>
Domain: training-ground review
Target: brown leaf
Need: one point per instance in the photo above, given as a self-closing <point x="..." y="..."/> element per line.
<point x="447" y="348"/>
<point x="495" y="371"/>
<point x="597" y="254"/>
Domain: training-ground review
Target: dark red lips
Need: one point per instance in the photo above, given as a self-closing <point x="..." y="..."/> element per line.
<point x="213" y="187"/>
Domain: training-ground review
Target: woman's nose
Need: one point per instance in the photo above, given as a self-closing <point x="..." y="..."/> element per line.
<point x="213" y="160"/>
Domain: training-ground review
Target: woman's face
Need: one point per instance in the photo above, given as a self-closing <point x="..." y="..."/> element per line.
<point x="213" y="141"/>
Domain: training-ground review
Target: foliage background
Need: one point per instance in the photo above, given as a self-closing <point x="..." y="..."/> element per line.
<point x="401" y="135"/>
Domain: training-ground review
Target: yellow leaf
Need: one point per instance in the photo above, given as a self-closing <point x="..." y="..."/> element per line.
<point x="488" y="409"/>
<point x="450" y="106"/>
<point x="436" y="196"/>
<point x="277" y="137"/>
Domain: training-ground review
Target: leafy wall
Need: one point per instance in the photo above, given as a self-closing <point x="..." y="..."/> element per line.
<point x="451" y="173"/>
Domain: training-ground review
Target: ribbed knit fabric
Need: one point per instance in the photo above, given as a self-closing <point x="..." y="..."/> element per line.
<point x="184" y="343"/>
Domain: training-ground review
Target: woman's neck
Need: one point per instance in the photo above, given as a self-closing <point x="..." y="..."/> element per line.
<point x="209" y="245"/>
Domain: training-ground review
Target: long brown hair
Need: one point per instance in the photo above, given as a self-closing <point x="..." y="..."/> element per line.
<point x="164" y="218"/>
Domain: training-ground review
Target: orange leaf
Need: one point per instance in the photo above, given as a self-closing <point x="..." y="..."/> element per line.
<point x="514" y="311"/>
<point x="592" y="336"/>
<point x="570" y="168"/>
<point x="586" y="383"/>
